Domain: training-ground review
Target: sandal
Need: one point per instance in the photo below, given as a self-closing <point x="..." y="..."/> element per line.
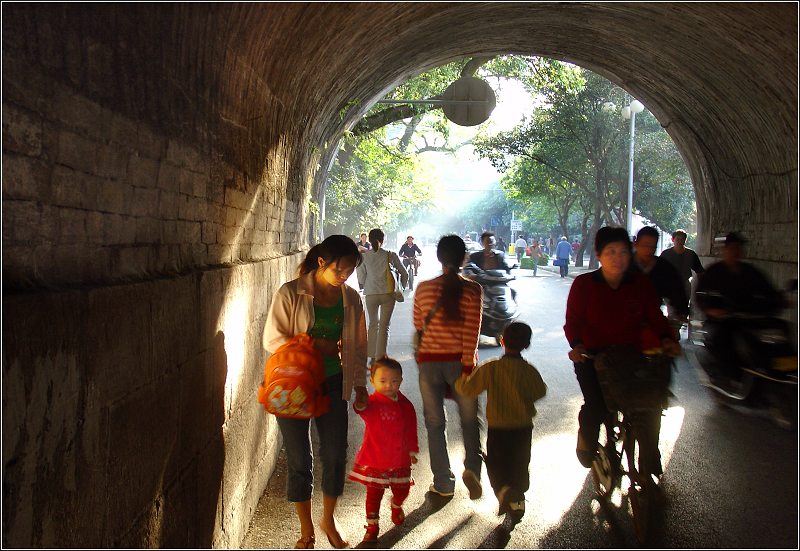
<point x="306" y="542"/>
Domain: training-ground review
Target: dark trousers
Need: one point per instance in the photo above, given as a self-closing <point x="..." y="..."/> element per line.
<point x="508" y="455"/>
<point x="332" y="431"/>
<point x="593" y="412"/>
<point x="564" y="267"/>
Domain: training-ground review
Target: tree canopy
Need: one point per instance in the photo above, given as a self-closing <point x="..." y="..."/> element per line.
<point x="565" y="166"/>
<point x="573" y="153"/>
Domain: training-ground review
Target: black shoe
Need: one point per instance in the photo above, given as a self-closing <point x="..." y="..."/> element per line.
<point x="586" y="457"/>
<point x="503" y="500"/>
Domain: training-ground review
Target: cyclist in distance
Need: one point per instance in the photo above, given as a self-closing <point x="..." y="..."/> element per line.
<point x="606" y="307"/>
<point x="408" y="252"/>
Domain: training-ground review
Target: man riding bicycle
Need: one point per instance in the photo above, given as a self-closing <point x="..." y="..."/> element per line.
<point x="408" y="252"/>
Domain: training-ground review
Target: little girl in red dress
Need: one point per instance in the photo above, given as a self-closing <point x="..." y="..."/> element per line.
<point x="390" y="444"/>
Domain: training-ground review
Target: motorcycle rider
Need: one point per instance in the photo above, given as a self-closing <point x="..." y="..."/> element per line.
<point x="742" y="288"/>
<point x="489" y="258"/>
<point x="408" y="252"/>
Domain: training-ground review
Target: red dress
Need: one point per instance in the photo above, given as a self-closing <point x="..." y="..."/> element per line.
<point x="390" y="437"/>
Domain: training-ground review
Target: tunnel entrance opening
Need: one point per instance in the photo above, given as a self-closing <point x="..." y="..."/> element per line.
<point x="553" y="160"/>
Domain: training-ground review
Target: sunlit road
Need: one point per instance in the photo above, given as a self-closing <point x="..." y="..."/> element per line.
<point x="730" y="479"/>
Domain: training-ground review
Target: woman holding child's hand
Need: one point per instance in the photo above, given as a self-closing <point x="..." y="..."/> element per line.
<point x="320" y="304"/>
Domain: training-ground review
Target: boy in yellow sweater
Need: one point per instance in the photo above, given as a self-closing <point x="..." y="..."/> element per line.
<point x="512" y="385"/>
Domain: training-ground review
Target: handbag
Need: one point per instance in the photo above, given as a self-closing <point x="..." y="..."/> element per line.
<point x="398" y="295"/>
<point x="416" y="339"/>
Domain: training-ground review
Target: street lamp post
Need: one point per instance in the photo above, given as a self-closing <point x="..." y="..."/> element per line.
<point x="629" y="112"/>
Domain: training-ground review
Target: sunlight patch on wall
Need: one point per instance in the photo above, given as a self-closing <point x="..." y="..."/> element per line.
<point x="234" y="320"/>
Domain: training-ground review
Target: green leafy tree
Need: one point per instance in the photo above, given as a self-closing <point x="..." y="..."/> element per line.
<point x="371" y="185"/>
<point x="573" y="153"/>
<point x="406" y="130"/>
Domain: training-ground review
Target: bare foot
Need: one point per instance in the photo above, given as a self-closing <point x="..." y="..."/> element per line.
<point x="331" y="531"/>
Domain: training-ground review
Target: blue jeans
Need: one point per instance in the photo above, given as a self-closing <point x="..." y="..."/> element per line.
<point x="332" y="430"/>
<point x="434" y="378"/>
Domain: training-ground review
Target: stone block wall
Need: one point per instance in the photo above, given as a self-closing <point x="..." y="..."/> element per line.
<point x="91" y="203"/>
<point x="130" y="416"/>
<point x="138" y="267"/>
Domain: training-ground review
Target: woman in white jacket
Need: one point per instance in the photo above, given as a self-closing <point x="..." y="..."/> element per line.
<point x="319" y="303"/>
<point x="375" y="277"/>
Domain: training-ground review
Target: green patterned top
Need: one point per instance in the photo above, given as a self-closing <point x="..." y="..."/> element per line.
<point x="328" y="323"/>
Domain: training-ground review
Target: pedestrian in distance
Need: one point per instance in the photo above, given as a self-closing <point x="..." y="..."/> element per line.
<point x="536" y="254"/>
<point x="576" y="245"/>
<point x="389" y="447"/>
<point x="563" y="251"/>
<point x="501" y="244"/>
<point x="512" y="386"/>
<point x="665" y="278"/>
<point x="519" y="247"/>
<point x="363" y="243"/>
<point x="685" y="261"/>
<point x="450" y="308"/>
<point x="321" y="304"/>
<point x="376" y="278"/>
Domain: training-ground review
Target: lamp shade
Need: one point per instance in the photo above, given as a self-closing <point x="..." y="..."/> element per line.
<point x="636" y="106"/>
<point x="626" y="112"/>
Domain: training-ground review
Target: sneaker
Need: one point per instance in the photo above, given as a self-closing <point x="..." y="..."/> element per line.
<point x="473" y="484"/>
<point x="433" y="490"/>
<point x="502" y="499"/>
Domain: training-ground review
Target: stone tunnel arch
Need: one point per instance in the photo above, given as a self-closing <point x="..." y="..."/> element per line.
<point x="159" y="162"/>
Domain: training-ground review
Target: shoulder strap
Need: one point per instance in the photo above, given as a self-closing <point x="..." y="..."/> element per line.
<point x="429" y="317"/>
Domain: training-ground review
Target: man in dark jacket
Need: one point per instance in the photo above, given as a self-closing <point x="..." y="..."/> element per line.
<point x="489" y="258"/>
<point x="663" y="275"/>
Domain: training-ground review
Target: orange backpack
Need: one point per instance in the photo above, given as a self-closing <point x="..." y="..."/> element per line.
<point x="294" y="381"/>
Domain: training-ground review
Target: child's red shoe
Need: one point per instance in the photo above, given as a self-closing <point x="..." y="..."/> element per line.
<point x="371" y="534"/>
<point x="398" y="516"/>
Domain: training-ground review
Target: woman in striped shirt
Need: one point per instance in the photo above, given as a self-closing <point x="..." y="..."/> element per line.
<point x="449" y="307"/>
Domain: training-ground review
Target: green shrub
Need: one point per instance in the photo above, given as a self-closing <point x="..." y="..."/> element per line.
<point x="527" y="262"/>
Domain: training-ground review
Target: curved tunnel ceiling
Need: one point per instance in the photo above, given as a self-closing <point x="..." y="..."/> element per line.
<point x="721" y="78"/>
<point x="272" y="85"/>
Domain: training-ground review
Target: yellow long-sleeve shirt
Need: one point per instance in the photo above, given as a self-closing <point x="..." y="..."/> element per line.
<point x="512" y="385"/>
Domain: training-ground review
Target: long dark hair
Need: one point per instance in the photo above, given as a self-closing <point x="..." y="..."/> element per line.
<point x="330" y="250"/>
<point x="451" y="251"/>
<point x="376" y="237"/>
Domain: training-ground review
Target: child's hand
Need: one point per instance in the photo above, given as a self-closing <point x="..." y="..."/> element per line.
<point x="413" y="459"/>
<point x="362" y="395"/>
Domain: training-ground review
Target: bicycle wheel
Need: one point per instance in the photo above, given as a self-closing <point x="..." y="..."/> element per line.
<point x="641" y="481"/>
<point x="606" y="466"/>
<point x="411" y="277"/>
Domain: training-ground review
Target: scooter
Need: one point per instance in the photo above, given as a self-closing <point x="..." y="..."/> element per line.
<point x="499" y="299"/>
<point x="766" y="360"/>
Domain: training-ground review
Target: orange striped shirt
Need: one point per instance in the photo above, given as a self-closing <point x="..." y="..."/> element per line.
<point x="447" y="340"/>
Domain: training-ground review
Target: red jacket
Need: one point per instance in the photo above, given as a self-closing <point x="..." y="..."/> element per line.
<point x="390" y="435"/>
<point x="599" y="316"/>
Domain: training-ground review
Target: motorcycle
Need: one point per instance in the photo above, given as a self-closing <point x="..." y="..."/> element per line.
<point x="764" y="378"/>
<point x="499" y="299"/>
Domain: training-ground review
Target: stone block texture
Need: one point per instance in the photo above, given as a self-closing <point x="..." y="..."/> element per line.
<point x="159" y="164"/>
